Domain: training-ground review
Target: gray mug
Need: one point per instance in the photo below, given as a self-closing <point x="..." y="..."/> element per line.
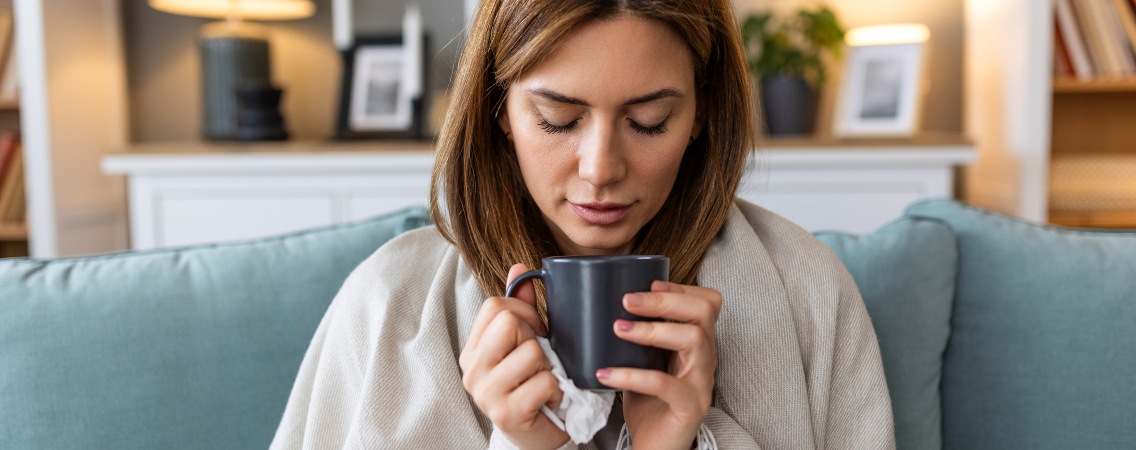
<point x="585" y="296"/>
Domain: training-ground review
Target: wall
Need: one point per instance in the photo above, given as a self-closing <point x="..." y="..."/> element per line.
<point x="943" y="109"/>
<point x="73" y="110"/>
<point x="163" y="64"/>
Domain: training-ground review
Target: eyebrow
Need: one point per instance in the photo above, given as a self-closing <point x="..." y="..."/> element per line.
<point x="561" y="98"/>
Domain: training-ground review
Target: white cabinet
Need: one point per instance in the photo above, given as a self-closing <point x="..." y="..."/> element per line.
<point x="183" y="194"/>
<point x="198" y="193"/>
<point x="850" y="188"/>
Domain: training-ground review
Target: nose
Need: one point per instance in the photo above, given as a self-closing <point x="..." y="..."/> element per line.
<point x="602" y="160"/>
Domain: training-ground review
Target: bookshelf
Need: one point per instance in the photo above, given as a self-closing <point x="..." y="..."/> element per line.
<point x="13" y="233"/>
<point x="13" y="239"/>
<point x="1092" y="163"/>
<point x="1069" y="85"/>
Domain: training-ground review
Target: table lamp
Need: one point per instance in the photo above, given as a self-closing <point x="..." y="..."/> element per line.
<point x="234" y="53"/>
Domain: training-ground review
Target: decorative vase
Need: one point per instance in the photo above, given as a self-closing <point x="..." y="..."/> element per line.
<point x="788" y="105"/>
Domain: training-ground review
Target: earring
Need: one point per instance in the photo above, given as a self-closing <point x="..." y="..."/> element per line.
<point x="509" y="136"/>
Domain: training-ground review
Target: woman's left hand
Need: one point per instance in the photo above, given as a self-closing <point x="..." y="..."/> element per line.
<point x="664" y="410"/>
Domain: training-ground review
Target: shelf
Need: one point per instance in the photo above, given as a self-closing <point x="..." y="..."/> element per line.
<point x="9" y="105"/>
<point x="1104" y="219"/>
<point x="925" y="139"/>
<point x="1076" y="85"/>
<point x="13" y="231"/>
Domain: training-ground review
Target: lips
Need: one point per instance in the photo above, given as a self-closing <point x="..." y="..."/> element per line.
<point x="605" y="213"/>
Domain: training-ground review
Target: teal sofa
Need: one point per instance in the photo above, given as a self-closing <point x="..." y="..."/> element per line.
<point x="995" y="333"/>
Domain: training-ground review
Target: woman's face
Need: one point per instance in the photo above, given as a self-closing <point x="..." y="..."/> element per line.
<point x="600" y="127"/>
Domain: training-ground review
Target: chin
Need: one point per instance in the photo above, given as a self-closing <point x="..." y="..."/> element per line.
<point x="601" y="238"/>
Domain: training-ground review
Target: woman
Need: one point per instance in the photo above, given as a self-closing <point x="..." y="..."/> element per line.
<point x="595" y="127"/>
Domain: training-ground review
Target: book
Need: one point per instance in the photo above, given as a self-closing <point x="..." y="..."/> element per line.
<point x="1061" y="66"/>
<point x="7" y="151"/>
<point x="1127" y="19"/>
<point x="1090" y="26"/>
<point x="10" y="83"/>
<point x="12" y="201"/>
<point x="1117" y="39"/>
<point x="1071" y="37"/>
<point x="6" y="37"/>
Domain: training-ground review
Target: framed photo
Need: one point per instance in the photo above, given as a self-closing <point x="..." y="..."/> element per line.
<point x="381" y="95"/>
<point x="882" y="90"/>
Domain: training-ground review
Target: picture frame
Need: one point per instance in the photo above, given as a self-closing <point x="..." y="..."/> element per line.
<point x="882" y="91"/>
<point x="374" y="102"/>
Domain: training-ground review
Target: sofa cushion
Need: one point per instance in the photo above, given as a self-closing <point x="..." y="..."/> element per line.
<point x="194" y="347"/>
<point x="1042" y="352"/>
<point x="906" y="274"/>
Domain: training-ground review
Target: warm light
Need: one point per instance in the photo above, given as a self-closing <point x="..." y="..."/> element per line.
<point x="904" y="33"/>
<point x="238" y="9"/>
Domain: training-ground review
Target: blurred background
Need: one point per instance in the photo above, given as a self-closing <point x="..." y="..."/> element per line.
<point x="114" y="142"/>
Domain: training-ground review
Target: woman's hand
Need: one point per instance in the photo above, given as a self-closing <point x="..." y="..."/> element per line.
<point x="664" y="410"/>
<point x="506" y="372"/>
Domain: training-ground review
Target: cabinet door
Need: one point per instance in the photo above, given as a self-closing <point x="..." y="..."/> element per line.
<point x="202" y="216"/>
<point x="848" y="200"/>
<point x="393" y="194"/>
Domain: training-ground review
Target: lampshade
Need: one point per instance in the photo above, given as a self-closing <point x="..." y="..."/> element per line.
<point x="239" y="9"/>
<point x="903" y="33"/>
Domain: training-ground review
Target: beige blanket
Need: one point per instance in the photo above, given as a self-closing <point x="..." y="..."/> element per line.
<point x="798" y="362"/>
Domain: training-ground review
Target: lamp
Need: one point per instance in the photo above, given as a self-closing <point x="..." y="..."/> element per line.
<point x="234" y="54"/>
<point x="902" y="33"/>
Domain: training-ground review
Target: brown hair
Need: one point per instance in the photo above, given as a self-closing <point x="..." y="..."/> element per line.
<point x="493" y="220"/>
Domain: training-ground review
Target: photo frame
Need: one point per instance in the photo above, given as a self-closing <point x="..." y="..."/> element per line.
<point x="374" y="102"/>
<point x="882" y="91"/>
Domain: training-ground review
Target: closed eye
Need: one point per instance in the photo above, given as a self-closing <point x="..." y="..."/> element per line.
<point x="649" y="130"/>
<point x="550" y="128"/>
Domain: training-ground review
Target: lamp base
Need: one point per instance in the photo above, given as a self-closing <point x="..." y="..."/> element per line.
<point x="259" y="118"/>
<point x="232" y="53"/>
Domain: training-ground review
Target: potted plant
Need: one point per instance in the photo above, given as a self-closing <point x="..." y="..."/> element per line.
<point x="785" y="57"/>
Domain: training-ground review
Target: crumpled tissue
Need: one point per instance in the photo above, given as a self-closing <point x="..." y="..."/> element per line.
<point x="581" y="413"/>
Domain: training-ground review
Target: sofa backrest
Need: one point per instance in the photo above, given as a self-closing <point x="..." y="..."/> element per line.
<point x="198" y="347"/>
<point x="1042" y="351"/>
<point x="183" y="348"/>
<point x="906" y="274"/>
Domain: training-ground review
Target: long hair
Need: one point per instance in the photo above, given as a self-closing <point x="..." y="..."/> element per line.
<point x="479" y="200"/>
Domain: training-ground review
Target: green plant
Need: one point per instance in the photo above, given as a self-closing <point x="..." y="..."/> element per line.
<point x="792" y="45"/>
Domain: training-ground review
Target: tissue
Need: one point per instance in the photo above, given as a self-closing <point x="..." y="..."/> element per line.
<point x="580" y="413"/>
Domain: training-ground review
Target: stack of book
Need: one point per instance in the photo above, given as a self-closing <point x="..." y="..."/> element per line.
<point x="1095" y="39"/>
<point x="9" y="80"/>
<point x="13" y="205"/>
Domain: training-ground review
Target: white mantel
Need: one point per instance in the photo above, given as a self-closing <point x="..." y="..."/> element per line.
<point x="185" y="193"/>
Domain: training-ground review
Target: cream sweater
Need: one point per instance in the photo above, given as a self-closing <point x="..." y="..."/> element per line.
<point x="798" y="362"/>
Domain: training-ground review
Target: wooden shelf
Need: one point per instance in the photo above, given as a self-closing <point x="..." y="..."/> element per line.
<point x="1104" y="219"/>
<point x="924" y="139"/>
<point x="1104" y="85"/>
<point x="9" y="105"/>
<point x="13" y="231"/>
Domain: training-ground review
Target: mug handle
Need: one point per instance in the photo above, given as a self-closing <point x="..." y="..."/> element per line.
<point x="516" y="284"/>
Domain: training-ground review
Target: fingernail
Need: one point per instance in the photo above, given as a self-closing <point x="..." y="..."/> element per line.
<point x="633" y="299"/>
<point x="660" y="286"/>
<point x="624" y="325"/>
<point x="603" y="374"/>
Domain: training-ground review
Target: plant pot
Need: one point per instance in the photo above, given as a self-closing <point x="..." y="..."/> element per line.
<point x="788" y="105"/>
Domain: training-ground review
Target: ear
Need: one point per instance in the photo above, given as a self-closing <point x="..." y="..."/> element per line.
<point x="503" y="120"/>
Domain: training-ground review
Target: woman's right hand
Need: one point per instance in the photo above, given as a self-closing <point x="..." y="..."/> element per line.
<point x="506" y="372"/>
